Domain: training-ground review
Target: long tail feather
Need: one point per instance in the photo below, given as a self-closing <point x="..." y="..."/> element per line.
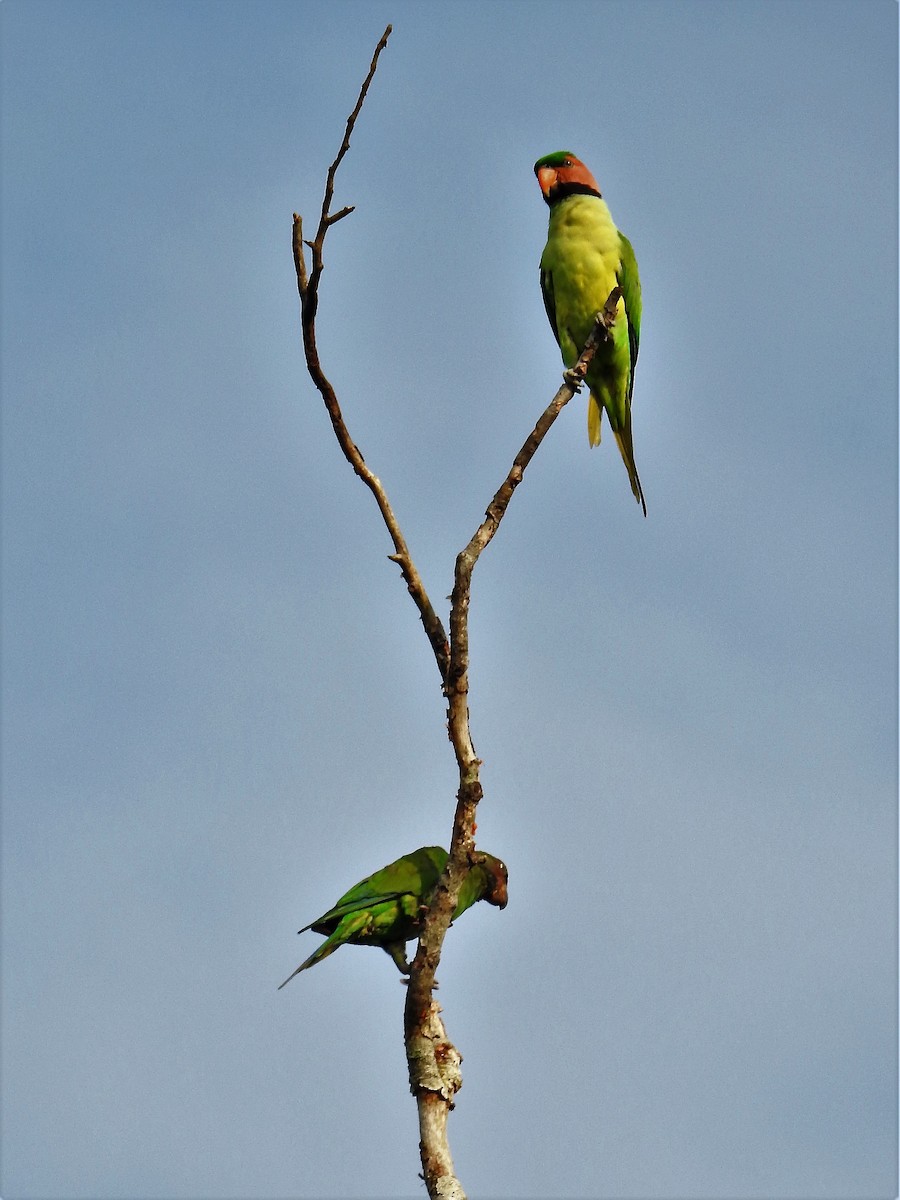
<point x="595" y="415"/>
<point x="623" y="439"/>
<point x="327" y="947"/>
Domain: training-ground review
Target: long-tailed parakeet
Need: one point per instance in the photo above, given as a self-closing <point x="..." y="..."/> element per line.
<point x="585" y="258"/>
<point x="386" y="909"/>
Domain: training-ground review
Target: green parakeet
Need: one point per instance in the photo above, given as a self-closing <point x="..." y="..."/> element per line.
<point x="585" y="257"/>
<point x="387" y="908"/>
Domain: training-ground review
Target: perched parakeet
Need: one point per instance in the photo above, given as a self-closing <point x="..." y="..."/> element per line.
<point x="387" y="908"/>
<point x="585" y="257"/>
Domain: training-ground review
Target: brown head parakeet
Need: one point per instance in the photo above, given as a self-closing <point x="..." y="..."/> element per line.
<point x="386" y="909"/>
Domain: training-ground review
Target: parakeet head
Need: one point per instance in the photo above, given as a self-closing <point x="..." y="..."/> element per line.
<point x="561" y="174"/>
<point x="497" y="876"/>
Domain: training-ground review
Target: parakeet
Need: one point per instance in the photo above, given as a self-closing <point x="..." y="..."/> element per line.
<point x="585" y="257"/>
<point x="387" y="908"/>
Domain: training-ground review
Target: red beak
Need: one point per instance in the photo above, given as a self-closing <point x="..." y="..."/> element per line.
<point x="546" y="177"/>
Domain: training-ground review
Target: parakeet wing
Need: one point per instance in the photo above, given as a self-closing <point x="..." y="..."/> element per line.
<point x="415" y="874"/>
<point x="549" y="301"/>
<point x="630" y="283"/>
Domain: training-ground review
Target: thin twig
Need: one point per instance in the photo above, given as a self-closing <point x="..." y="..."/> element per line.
<point x="467" y="558"/>
<point x="339" y="216"/>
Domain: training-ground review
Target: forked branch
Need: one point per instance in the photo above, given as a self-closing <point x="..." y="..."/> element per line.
<point x="463" y="843"/>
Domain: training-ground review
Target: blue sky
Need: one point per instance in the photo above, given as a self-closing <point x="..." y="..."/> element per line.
<point x="220" y="710"/>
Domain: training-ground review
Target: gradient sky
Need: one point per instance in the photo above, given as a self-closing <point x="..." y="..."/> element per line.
<point x="220" y="710"/>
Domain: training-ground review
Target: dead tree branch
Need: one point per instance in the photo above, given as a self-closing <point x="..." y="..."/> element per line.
<point x="308" y="286"/>
<point x="433" y="1061"/>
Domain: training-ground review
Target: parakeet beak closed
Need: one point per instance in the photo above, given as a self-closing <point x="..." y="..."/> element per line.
<point x="546" y="177"/>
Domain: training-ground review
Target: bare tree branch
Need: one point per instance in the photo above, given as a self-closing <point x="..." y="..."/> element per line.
<point x="432" y="1059"/>
<point x="434" y="1062"/>
<point x="308" y="287"/>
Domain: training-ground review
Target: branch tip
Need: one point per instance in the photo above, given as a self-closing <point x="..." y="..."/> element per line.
<point x="333" y="218"/>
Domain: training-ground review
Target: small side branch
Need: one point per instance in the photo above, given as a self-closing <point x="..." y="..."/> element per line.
<point x="573" y="379"/>
<point x="465" y="564"/>
<point x="308" y="287"/>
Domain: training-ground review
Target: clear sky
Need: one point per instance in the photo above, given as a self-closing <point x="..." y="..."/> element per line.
<point x="220" y="710"/>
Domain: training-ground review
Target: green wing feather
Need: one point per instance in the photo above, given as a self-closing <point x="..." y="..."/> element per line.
<point x="549" y="301"/>
<point x="415" y="874"/>
<point x="630" y="282"/>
